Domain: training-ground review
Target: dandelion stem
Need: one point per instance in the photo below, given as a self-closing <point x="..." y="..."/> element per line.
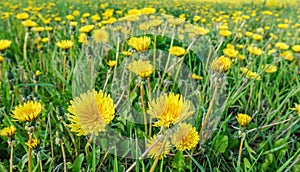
<point x="209" y="110"/>
<point x="240" y="152"/>
<point x="150" y="98"/>
<point x="154" y="164"/>
<point x="29" y="154"/>
<point x="11" y="156"/>
<point x="64" y="156"/>
<point x="64" y="71"/>
<point x="25" y="46"/>
<point x="94" y="156"/>
<point x="143" y="106"/>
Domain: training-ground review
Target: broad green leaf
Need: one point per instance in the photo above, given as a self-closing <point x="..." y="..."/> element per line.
<point x="78" y="162"/>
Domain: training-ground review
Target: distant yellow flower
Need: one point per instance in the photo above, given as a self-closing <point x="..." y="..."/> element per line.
<point x="49" y="28"/>
<point x="70" y="17"/>
<point x="45" y="40"/>
<point x="225" y="33"/>
<point x="177" y="51"/>
<point x="297" y="108"/>
<point x="91" y="112"/>
<point x="169" y="109"/>
<point x="100" y="35"/>
<point x="127" y="53"/>
<point x="29" y="111"/>
<point x="1" y="59"/>
<point x="8" y="131"/>
<point x="111" y="63"/>
<point x="85" y="15"/>
<point x="241" y="57"/>
<point x="29" y="23"/>
<point x="282" y="45"/>
<point x="200" y="31"/>
<point x="230" y="52"/>
<point x="86" y="28"/>
<point x="76" y="13"/>
<point x="142" y="68"/>
<point x="243" y="119"/>
<point x="160" y="149"/>
<point x="148" y="10"/>
<point x="4" y="44"/>
<point x="272" y="51"/>
<point x="34" y="143"/>
<point x="140" y="44"/>
<point x="185" y="137"/>
<point x="296" y="48"/>
<point x="248" y="34"/>
<point x="38" y="29"/>
<point x="22" y="16"/>
<point x="287" y="55"/>
<point x="38" y="73"/>
<point x="257" y="37"/>
<point x="255" y="51"/>
<point x="197" y="77"/>
<point x="283" y="26"/>
<point x="221" y="64"/>
<point x="270" y="68"/>
<point x="250" y="74"/>
<point x="82" y="38"/>
<point x="65" y="44"/>
<point x="73" y="23"/>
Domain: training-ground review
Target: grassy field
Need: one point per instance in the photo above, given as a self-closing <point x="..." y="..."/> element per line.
<point x="150" y="85"/>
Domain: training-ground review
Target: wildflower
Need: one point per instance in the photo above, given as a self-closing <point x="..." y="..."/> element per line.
<point x="272" y="51"/>
<point x="230" y="52"/>
<point x="221" y="64"/>
<point x="282" y="45"/>
<point x="255" y="51"/>
<point x="22" y="16"/>
<point x="127" y="53"/>
<point x="65" y="44"/>
<point x="270" y="68"/>
<point x="4" y="44"/>
<point x="33" y="143"/>
<point x="250" y="74"/>
<point x="38" y="29"/>
<point x="100" y="35"/>
<point x="257" y="37"/>
<point x="85" y="15"/>
<point x="148" y="10"/>
<point x="1" y="59"/>
<point x="29" y="23"/>
<point x="8" y="131"/>
<point x="86" y="28"/>
<point x="169" y="109"/>
<point x="243" y="119"/>
<point x="283" y="26"/>
<point x="197" y="77"/>
<point x="82" y="38"/>
<point x="29" y="111"/>
<point x="73" y="23"/>
<point x="142" y="68"/>
<point x="140" y="44"/>
<point x="287" y="55"/>
<point x="38" y="73"/>
<point x="241" y="57"/>
<point x="297" y="108"/>
<point x="111" y="63"/>
<point x="296" y="48"/>
<point x="225" y="33"/>
<point x="177" y="51"/>
<point x="248" y="34"/>
<point x="45" y="40"/>
<point x="76" y="13"/>
<point x="91" y="112"/>
<point x="185" y="137"/>
<point x="160" y="149"/>
<point x="49" y="28"/>
<point x="70" y="17"/>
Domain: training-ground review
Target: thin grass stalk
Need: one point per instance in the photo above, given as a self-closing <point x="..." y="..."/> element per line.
<point x="143" y="106"/>
<point x="240" y="152"/>
<point x="64" y="156"/>
<point x="11" y="155"/>
<point x="29" y="154"/>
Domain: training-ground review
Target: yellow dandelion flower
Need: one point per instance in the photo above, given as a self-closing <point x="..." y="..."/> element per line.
<point x="287" y="55"/>
<point x="148" y="10"/>
<point x="45" y="40"/>
<point x="177" y="51"/>
<point x="255" y="51"/>
<point x="243" y="119"/>
<point x="241" y="57"/>
<point x="296" y="48"/>
<point x="185" y="137"/>
<point x="86" y="28"/>
<point x="8" y="131"/>
<point x="140" y="44"/>
<point x="160" y="149"/>
<point x="100" y="35"/>
<point x="297" y="108"/>
<point x="221" y="64"/>
<point x="65" y="44"/>
<point x="1" y="59"/>
<point x="270" y="68"/>
<point x="49" y="28"/>
<point x="283" y="26"/>
<point x="85" y="15"/>
<point x="33" y="143"/>
<point x="142" y="68"/>
<point x="29" y="23"/>
<point x="127" y="53"/>
<point x="248" y="34"/>
<point x="250" y="74"/>
<point x="225" y="33"/>
<point x="197" y="77"/>
<point x="91" y="112"/>
<point x="38" y="73"/>
<point x="169" y="109"/>
<point x="22" y="16"/>
<point x="230" y="52"/>
<point x="82" y="38"/>
<point x="70" y="17"/>
<point x="257" y="37"/>
<point x="29" y="111"/>
<point x="200" y="31"/>
<point x="4" y="44"/>
<point x="111" y="63"/>
<point x="272" y="51"/>
<point x="73" y="23"/>
<point x="38" y="29"/>
<point x="282" y="45"/>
